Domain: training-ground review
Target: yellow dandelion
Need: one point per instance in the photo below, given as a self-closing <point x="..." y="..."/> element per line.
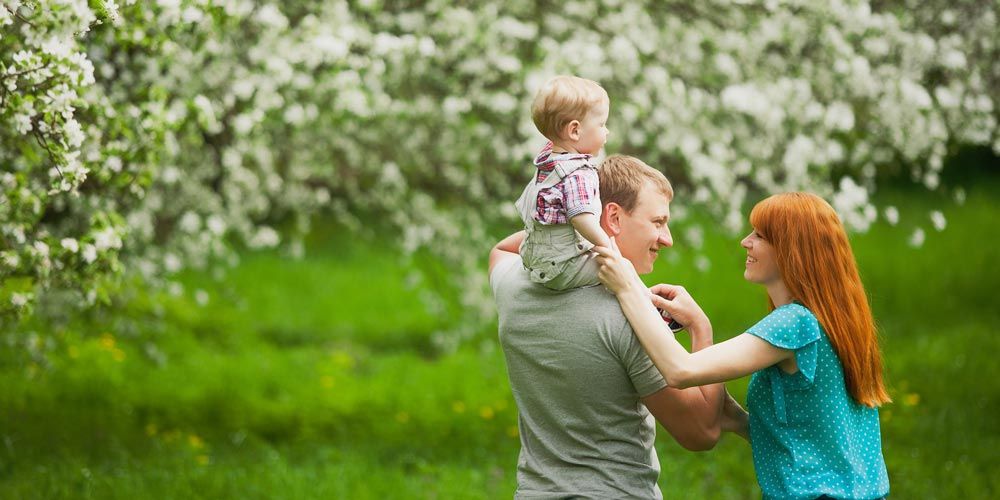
<point x="486" y="412"/>
<point x="402" y="417"/>
<point x="911" y="399"/>
<point x="107" y="341"/>
<point x="195" y="442"/>
<point x="458" y="407"/>
<point x="343" y="359"/>
<point x="151" y="429"/>
<point x="326" y="381"/>
<point x="202" y="459"/>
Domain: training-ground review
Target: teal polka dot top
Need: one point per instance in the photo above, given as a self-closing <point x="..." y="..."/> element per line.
<point x="809" y="438"/>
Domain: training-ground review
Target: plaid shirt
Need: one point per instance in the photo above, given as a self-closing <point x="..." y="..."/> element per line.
<point x="571" y="196"/>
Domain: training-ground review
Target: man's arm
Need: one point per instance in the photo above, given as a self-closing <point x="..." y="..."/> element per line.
<point x="506" y="249"/>
<point x="693" y="416"/>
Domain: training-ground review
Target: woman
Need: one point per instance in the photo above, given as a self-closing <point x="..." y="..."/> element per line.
<point x="817" y="370"/>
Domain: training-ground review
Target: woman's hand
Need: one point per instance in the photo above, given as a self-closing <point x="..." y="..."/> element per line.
<point x="616" y="272"/>
<point x="679" y="304"/>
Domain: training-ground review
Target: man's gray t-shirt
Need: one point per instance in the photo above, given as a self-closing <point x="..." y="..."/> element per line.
<point x="578" y="374"/>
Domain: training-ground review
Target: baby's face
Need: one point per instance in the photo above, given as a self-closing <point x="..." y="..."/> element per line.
<point x="594" y="130"/>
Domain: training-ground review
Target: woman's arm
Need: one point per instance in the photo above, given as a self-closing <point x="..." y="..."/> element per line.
<point x="734" y="358"/>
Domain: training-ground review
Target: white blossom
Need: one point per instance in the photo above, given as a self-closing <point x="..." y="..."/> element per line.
<point x="331" y="46"/>
<point x="216" y="225"/>
<point x="839" y="116"/>
<point x="891" y="214"/>
<point x="70" y="244"/>
<point x="953" y="59"/>
<point x="171" y="263"/>
<point x="19" y="299"/>
<point x="745" y="98"/>
<point x="937" y="218"/>
<point x="41" y="249"/>
<point x="106" y="239"/>
<point x="74" y="133"/>
<point x="851" y="203"/>
<point x="960" y="196"/>
<point x="89" y="253"/>
<point x="694" y="237"/>
<point x="22" y="123"/>
<point x="915" y="94"/>
<point x="10" y="259"/>
<point x="702" y="263"/>
<point x="265" y="237"/>
<point x="190" y="222"/>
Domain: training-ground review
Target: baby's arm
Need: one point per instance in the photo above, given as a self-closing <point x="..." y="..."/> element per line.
<point x="588" y="225"/>
<point x="580" y="190"/>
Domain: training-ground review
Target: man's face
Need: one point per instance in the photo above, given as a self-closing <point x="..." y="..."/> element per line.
<point x="644" y="231"/>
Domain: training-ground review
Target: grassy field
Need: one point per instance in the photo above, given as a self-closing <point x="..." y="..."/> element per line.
<point x="317" y="379"/>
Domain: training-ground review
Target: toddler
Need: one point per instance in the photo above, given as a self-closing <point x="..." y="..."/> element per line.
<point x="561" y="206"/>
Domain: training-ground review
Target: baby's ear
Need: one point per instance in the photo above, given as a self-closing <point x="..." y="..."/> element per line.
<point x="573" y="130"/>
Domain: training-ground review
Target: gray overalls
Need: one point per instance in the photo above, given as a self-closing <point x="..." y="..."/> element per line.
<point x="556" y="255"/>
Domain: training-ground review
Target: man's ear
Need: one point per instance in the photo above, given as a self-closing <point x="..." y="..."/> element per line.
<point x="611" y="218"/>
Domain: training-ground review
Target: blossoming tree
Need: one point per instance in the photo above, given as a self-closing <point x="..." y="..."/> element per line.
<point x="145" y="137"/>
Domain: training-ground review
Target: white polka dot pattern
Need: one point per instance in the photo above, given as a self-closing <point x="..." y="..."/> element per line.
<point x="809" y="438"/>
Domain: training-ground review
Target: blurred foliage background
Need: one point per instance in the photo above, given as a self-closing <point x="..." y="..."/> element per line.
<point x="242" y="244"/>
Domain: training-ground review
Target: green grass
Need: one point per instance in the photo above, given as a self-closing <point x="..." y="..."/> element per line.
<point x="317" y="379"/>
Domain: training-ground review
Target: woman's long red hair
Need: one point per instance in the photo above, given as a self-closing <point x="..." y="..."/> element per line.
<point x="818" y="267"/>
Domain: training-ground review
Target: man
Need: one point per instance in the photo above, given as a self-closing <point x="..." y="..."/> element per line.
<point x="586" y="391"/>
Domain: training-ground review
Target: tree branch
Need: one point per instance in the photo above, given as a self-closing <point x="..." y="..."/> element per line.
<point x="45" y="145"/>
<point x="19" y="17"/>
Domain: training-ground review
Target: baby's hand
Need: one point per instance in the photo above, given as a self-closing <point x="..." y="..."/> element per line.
<point x="616" y="272"/>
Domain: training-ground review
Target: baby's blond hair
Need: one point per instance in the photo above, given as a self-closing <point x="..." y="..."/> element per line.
<point x="562" y="100"/>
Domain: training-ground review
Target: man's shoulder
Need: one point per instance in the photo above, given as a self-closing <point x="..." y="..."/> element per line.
<point x="504" y="267"/>
<point x="511" y="282"/>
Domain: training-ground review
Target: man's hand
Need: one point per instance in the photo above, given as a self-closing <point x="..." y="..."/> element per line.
<point x="734" y="418"/>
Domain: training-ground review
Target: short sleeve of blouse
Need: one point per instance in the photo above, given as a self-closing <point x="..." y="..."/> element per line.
<point x="794" y="327"/>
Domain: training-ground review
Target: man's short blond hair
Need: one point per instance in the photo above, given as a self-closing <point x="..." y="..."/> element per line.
<point x="562" y="100"/>
<point x="623" y="177"/>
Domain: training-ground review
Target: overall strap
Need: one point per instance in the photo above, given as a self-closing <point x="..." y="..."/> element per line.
<point x="526" y="204"/>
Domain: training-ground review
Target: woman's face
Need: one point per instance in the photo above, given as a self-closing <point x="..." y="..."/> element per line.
<point x="761" y="264"/>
